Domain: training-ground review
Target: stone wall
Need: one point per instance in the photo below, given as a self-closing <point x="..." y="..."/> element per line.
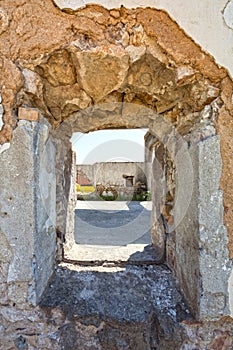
<point x="187" y="222"/>
<point x="112" y="173"/>
<point x="198" y="232"/>
<point x="147" y="73"/>
<point x="28" y="82"/>
<point x="55" y="328"/>
<point x="149" y="141"/>
<point x="5" y="145"/>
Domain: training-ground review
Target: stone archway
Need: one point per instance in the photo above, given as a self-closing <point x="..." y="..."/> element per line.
<point x="101" y="69"/>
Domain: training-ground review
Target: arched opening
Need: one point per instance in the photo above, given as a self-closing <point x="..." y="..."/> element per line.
<point x="125" y="76"/>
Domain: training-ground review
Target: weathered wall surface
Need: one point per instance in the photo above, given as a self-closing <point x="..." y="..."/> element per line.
<point x="225" y="130"/>
<point x="184" y="239"/>
<point x="187" y="222"/>
<point x="215" y="267"/>
<point x="201" y="261"/>
<point x="158" y="185"/>
<point x="88" y="170"/>
<point x="28" y="217"/>
<point x="139" y="30"/>
<point x="209" y="24"/>
<point x="146" y="70"/>
<point x="72" y="199"/>
<point x="149" y="141"/>
<point x="56" y="327"/>
<point x="112" y="173"/>
<point x="17" y="194"/>
<point x="45" y="208"/>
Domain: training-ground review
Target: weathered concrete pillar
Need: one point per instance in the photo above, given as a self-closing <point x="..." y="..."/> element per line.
<point x="215" y="266"/>
<point x="64" y="161"/>
<point x="202" y="263"/>
<point x="27" y="206"/>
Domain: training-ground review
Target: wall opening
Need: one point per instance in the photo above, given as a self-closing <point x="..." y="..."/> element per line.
<point x="148" y="74"/>
<point x="175" y="180"/>
<point x="113" y="210"/>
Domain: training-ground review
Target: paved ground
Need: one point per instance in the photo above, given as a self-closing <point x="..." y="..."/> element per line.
<point x="112" y="231"/>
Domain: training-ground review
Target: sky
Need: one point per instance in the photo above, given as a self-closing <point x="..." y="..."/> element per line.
<point x="109" y="146"/>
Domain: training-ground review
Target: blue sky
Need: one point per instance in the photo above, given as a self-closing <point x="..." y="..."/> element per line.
<point x="109" y="146"/>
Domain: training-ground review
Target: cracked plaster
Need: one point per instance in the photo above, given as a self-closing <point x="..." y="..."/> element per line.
<point x="190" y="16"/>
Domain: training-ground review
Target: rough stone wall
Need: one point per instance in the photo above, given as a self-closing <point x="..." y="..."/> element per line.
<point x="149" y="141"/>
<point x="153" y="72"/>
<point x="210" y="26"/>
<point x="64" y="190"/>
<point x="5" y="145"/>
<point x="60" y="328"/>
<point x="23" y="50"/>
<point x="213" y="256"/>
<point x="187" y="222"/>
<point x="225" y="130"/>
<point x="112" y="173"/>
<point x="201" y="262"/>
<point x="88" y="170"/>
<point x="184" y="239"/>
<point x="45" y="208"/>
<point x="158" y="232"/>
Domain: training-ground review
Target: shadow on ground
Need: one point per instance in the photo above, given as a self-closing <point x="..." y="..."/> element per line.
<point x="112" y="226"/>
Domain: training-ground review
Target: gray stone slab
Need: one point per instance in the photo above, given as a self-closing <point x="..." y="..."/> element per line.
<point x="215" y="266"/>
<point x="27" y="205"/>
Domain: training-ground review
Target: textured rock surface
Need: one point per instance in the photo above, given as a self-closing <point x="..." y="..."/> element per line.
<point x="225" y="129"/>
<point x="27" y="215"/>
<point x="89" y="38"/>
<point x="81" y="310"/>
<point x="213" y="257"/>
<point x="100" y="69"/>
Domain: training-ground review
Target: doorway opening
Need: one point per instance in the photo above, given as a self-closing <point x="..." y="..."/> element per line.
<point x="112" y="216"/>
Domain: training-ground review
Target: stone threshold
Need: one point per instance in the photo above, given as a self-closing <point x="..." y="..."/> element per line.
<point x="109" y="263"/>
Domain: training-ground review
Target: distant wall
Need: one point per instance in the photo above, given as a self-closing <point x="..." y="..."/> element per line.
<point x="112" y="173"/>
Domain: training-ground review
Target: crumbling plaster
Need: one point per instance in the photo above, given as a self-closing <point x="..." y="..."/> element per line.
<point x="209" y="24"/>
